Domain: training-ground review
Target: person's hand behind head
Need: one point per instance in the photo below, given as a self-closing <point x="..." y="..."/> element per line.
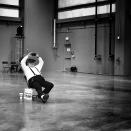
<point x="29" y="54"/>
<point x="37" y="55"/>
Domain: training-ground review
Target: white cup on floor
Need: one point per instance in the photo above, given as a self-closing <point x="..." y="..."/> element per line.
<point x="21" y="96"/>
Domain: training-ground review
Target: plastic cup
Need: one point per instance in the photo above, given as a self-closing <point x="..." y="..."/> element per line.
<point x="21" y="96"/>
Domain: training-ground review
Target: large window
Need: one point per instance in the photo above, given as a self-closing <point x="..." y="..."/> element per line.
<point x="76" y="13"/>
<point x="10" y="9"/>
<point x="10" y="2"/>
<point x="68" y="3"/>
<point x="9" y="12"/>
<point x="104" y="9"/>
<point x="80" y="8"/>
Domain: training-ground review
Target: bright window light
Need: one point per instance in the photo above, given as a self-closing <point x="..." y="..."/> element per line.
<point x="68" y="3"/>
<point x="9" y="12"/>
<point x="88" y="11"/>
<point x="105" y="9"/>
<point x="76" y="13"/>
<point x="101" y="0"/>
<point x="10" y="2"/>
<point x="113" y="7"/>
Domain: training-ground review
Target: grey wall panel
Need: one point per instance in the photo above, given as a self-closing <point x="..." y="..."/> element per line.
<point x="83" y="43"/>
<point x="106" y="65"/>
<point x="39" y="30"/>
<point x="6" y="35"/>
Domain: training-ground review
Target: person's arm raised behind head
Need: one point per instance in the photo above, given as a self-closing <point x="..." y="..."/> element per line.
<point x="23" y="61"/>
<point x="40" y="64"/>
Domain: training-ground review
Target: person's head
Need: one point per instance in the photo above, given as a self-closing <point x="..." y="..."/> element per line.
<point x="30" y="62"/>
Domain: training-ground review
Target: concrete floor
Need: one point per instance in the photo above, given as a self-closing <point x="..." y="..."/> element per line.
<point x="78" y="102"/>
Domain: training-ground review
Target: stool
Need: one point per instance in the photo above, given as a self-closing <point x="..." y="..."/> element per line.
<point x="34" y="95"/>
<point x="34" y="92"/>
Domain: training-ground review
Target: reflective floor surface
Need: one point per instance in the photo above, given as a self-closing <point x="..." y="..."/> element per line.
<point x="78" y="102"/>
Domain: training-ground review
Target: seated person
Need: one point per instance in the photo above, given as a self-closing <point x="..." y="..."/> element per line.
<point x="32" y="65"/>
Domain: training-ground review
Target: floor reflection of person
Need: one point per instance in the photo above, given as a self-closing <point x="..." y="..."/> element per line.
<point x="34" y="77"/>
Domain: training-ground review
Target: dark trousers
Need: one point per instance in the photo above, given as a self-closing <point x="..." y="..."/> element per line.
<point x="37" y="82"/>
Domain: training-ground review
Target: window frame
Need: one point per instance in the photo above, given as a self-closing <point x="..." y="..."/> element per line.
<point x="94" y="4"/>
<point x="20" y="9"/>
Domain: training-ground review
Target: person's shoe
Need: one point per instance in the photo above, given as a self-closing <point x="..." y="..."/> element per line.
<point x="44" y="98"/>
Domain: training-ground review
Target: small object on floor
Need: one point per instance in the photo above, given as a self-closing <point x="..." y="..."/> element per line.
<point x="21" y="96"/>
<point x="44" y="98"/>
<point x="73" y="69"/>
<point x="34" y="97"/>
<point x="28" y="93"/>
